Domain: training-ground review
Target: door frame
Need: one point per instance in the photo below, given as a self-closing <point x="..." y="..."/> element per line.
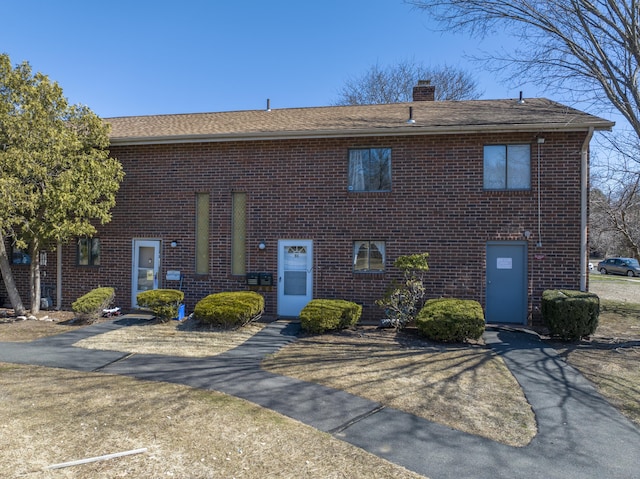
<point x="292" y="307"/>
<point x="522" y="313"/>
<point x="135" y="245"/>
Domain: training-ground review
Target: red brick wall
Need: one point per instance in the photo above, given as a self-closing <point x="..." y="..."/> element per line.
<point x="298" y="189"/>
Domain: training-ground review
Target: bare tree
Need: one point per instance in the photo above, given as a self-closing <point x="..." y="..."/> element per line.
<point x="615" y="200"/>
<point x="588" y="49"/>
<point x="394" y="84"/>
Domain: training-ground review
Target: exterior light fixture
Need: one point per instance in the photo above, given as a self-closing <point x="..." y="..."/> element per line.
<point x="174" y="243"/>
<point x="262" y="245"/>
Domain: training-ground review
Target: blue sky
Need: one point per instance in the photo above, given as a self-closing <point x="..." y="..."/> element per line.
<point x="139" y="57"/>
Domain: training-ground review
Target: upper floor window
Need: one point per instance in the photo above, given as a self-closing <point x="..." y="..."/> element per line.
<point x="370" y="169"/>
<point x="89" y="252"/>
<point x="507" y="167"/>
<point x="368" y="256"/>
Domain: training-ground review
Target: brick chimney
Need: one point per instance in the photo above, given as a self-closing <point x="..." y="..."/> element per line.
<point x="424" y="91"/>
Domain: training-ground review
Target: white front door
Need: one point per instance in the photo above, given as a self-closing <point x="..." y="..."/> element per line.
<point x="295" y="276"/>
<point x="146" y="265"/>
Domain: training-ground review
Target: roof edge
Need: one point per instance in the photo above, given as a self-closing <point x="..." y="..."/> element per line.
<point x="413" y="130"/>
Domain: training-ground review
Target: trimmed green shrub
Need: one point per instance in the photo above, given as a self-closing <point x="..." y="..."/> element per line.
<point x="89" y="307"/>
<point x="228" y="310"/>
<point x="164" y="303"/>
<point x="320" y="315"/>
<point x="451" y="320"/>
<point x="570" y="315"/>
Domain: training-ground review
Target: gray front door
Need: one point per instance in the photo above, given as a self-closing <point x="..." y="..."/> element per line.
<point x="506" y="282"/>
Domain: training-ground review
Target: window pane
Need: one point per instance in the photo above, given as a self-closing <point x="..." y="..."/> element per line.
<point x="370" y="169"/>
<point x="83" y="251"/>
<point x="295" y="283"/>
<point x="379" y="171"/>
<point x="202" y="233"/>
<point x="495" y="167"/>
<point x="361" y="256"/>
<point x="95" y="251"/>
<point x="376" y="256"/>
<point x="358" y="159"/>
<point x="518" y="167"/>
<point x="239" y="233"/>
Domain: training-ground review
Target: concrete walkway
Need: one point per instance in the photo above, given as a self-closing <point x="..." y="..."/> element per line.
<point x="579" y="434"/>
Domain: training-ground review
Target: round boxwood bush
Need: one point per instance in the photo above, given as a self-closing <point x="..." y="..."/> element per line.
<point x="320" y="315"/>
<point x="570" y="315"/>
<point x="451" y="320"/>
<point x="89" y="307"/>
<point x="164" y="303"/>
<point x="229" y="310"/>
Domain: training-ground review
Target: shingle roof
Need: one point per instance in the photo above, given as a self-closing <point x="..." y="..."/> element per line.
<point x="431" y="117"/>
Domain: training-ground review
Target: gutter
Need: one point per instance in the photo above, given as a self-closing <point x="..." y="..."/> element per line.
<point x="584" y="199"/>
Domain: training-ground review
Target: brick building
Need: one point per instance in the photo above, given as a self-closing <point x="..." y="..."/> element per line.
<point x="318" y="203"/>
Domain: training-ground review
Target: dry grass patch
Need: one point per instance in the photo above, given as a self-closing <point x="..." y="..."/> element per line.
<point x="616" y="373"/>
<point x="49" y="323"/>
<point x="188" y="433"/>
<point x="30" y="330"/>
<point x="466" y="387"/>
<point x="615" y="288"/>
<point x="173" y="338"/>
<point x="611" y="357"/>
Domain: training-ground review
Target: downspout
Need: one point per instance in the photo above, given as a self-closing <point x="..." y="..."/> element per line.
<point x="59" y="277"/>
<point x="584" y="204"/>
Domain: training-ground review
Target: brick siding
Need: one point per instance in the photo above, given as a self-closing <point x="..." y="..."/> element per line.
<point x="297" y="189"/>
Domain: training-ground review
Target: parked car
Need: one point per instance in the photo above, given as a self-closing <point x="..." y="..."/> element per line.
<point x="626" y="266"/>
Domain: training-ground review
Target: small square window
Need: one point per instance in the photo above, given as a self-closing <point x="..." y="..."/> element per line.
<point x="368" y="256"/>
<point x="88" y="252"/>
<point x="507" y="167"/>
<point x="370" y="169"/>
<point x="20" y="257"/>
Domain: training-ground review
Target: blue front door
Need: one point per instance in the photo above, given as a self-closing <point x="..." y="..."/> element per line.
<point x="506" y="300"/>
